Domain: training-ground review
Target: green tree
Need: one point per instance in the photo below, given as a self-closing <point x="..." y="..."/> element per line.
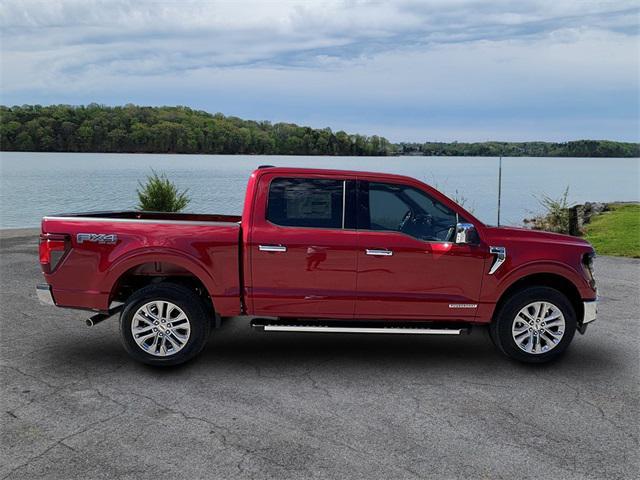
<point x="132" y="128"/>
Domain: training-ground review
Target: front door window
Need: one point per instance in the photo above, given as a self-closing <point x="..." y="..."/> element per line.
<point x="404" y="209"/>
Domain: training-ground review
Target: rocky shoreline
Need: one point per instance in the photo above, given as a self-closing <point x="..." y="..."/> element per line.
<point x="572" y="219"/>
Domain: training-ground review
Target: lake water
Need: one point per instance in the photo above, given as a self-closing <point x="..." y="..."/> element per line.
<point x="35" y="184"/>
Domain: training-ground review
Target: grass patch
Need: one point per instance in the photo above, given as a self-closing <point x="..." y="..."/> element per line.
<point x="616" y="232"/>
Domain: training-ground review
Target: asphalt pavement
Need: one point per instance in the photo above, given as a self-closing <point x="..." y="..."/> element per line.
<point x="279" y="405"/>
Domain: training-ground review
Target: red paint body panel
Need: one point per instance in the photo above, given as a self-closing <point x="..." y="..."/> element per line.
<point x="530" y="253"/>
<point x="324" y="273"/>
<point x="315" y="277"/>
<point x="420" y="280"/>
<point x="87" y="275"/>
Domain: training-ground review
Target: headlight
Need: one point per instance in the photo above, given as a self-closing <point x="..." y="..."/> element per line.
<point x="587" y="264"/>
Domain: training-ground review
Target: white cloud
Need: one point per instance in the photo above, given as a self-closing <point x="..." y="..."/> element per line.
<point x="331" y="62"/>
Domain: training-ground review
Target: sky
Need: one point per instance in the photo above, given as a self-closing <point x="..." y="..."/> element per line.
<point x="431" y="70"/>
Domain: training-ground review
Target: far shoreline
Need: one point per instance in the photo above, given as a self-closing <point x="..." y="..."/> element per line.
<point x="162" y="129"/>
<point x="305" y="155"/>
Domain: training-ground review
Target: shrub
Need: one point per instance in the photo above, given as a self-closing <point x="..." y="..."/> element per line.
<point x="159" y="194"/>
<point x="556" y="216"/>
<point x="456" y="196"/>
<point x="461" y="200"/>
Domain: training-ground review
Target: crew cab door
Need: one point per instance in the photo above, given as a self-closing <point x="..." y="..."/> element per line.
<point x="303" y="247"/>
<point x="408" y="265"/>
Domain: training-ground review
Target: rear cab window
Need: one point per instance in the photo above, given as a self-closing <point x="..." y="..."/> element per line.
<point x="307" y="202"/>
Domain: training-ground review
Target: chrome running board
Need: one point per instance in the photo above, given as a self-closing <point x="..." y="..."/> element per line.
<point x="411" y="331"/>
<point x="322" y="328"/>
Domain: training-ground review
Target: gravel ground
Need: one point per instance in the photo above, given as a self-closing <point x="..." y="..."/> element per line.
<point x="256" y="405"/>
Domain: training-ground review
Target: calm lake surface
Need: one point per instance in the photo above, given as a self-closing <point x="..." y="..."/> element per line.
<point x="35" y="184"/>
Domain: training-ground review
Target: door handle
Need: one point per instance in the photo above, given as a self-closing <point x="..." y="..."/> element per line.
<point x="272" y="248"/>
<point x="379" y="252"/>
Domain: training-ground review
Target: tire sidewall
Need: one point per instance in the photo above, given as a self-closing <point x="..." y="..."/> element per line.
<point x="502" y="327"/>
<point x="190" y="304"/>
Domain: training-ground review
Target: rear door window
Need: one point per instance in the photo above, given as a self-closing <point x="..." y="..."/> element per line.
<point x="306" y="202"/>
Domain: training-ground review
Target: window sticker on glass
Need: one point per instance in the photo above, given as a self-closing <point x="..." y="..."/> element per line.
<point x="305" y="202"/>
<point x="316" y="205"/>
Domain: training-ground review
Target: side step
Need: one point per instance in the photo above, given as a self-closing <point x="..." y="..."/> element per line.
<point x="267" y="325"/>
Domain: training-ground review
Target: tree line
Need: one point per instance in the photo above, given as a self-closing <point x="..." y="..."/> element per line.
<point x="136" y="129"/>
<point x="578" y="148"/>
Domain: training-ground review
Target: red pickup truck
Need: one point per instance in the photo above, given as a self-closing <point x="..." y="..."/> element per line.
<point x="320" y="251"/>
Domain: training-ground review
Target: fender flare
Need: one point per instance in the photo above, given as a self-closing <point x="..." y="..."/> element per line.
<point x="164" y="255"/>
<point x="544" y="267"/>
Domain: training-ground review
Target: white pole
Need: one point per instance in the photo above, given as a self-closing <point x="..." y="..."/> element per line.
<point x="499" y="187"/>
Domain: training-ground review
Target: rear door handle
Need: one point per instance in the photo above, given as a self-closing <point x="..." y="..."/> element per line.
<point x="272" y="248"/>
<point x="379" y="252"/>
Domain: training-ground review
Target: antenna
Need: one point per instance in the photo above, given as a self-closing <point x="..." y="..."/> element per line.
<point x="499" y="187"/>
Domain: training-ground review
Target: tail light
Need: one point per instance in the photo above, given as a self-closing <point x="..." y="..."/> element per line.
<point x="52" y="249"/>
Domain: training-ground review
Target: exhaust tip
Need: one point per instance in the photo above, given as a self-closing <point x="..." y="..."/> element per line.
<point x="101" y="317"/>
<point x="96" y="319"/>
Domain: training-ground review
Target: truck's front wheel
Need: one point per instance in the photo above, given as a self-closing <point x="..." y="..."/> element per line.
<point x="535" y="325"/>
<point x="164" y="324"/>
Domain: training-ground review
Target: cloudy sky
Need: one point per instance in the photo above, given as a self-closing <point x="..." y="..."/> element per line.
<point x="409" y="70"/>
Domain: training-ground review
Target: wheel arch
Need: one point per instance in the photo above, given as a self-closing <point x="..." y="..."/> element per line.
<point x="139" y="270"/>
<point x="543" y="279"/>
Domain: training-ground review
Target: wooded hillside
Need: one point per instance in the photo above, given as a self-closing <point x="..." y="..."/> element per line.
<point x="135" y="129"/>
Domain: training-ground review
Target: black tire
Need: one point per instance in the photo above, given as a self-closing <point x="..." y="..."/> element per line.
<point x="187" y="301"/>
<point x="501" y="327"/>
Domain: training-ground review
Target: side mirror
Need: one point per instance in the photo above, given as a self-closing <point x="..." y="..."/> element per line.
<point x="466" y="234"/>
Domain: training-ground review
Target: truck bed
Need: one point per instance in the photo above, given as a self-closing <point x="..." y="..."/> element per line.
<point x="154" y="216"/>
<point x="102" y="248"/>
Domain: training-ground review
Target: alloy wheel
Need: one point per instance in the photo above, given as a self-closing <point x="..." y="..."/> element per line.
<point x="538" y="327"/>
<point x="160" y="328"/>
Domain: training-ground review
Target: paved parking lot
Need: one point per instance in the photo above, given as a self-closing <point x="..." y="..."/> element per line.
<point x="258" y="405"/>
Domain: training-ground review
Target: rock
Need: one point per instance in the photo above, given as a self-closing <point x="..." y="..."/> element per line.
<point x="579" y="215"/>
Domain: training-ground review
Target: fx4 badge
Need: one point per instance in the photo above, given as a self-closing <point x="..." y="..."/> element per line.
<point x="104" y="238"/>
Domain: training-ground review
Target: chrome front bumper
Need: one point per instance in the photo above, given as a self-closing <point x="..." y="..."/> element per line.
<point x="44" y="294"/>
<point x="590" y="311"/>
<point x="590" y="314"/>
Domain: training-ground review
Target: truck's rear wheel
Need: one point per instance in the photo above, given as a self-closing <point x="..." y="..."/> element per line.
<point x="535" y="325"/>
<point x="164" y="324"/>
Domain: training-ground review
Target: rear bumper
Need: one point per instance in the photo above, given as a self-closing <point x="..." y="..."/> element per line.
<point x="44" y="294"/>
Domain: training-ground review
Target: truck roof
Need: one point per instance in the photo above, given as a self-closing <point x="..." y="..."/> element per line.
<point x="332" y="172"/>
